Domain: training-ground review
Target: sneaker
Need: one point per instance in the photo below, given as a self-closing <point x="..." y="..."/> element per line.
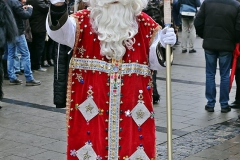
<point x="192" y="51"/>
<point x="45" y="64"/>
<point x="209" y="109"/>
<point x="33" y="83"/>
<point x="225" y="110"/>
<point x="184" y="51"/>
<point x="16" y="82"/>
<point x="41" y="69"/>
<point x="51" y="62"/>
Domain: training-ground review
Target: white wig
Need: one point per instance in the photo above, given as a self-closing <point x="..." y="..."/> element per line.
<point x="115" y="23"/>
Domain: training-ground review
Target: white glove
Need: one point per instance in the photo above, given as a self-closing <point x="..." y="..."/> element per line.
<point x="56" y="1"/>
<point x="167" y="36"/>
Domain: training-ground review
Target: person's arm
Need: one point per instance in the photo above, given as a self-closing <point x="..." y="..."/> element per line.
<point x="18" y="9"/>
<point x="157" y="49"/>
<point x="60" y="27"/>
<point x="199" y="21"/>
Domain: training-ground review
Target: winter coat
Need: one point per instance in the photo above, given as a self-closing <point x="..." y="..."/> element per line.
<point x="19" y="13"/>
<point x="8" y="33"/>
<point x="60" y="74"/>
<point x="218" y="23"/>
<point x="38" y="19"/>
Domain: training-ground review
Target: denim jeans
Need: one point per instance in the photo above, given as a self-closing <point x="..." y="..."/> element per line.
<point x="225" y="60"/>
<point x="18" y="64"/>
<point x="21" y="47"/>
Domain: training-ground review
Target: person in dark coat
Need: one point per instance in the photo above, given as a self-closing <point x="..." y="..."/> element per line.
<point x="37" y="23"/>
<point x="218" y="23"/>
<point x="8" y="32"/>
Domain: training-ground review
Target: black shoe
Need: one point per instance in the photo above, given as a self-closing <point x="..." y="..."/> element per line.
<point x="156" y="98"/>
<point x="16" y="82"/>
<point x="235" y="105"/>
<point x="33" y="83"/>
<point x="184" y="51"/>
<point x="6" y="77"/>
<point x="192" y="51"/>
<point x="225" y="110"/>
<point x="209" y="109"/>
<point x="19" y="73"/>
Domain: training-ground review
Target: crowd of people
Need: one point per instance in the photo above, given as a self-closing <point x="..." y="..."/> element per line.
<point x="114" y="42"/>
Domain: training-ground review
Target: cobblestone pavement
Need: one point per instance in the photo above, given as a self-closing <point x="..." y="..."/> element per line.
<point x="31" y="128"/>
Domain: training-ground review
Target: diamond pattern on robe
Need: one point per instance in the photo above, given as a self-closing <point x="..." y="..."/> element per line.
<point x="139" y="155"/>
<point x="140" y="114"/>
<point x="86" y="153"/>
<point x="88" y="109"/>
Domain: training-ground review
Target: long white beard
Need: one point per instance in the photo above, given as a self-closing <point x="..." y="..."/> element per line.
<point x="116" y="25"/>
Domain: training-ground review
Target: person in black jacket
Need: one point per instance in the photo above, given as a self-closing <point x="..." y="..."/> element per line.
<point x="20" y="13"/>
<point x="218" y="23"/>
<point x="37" y="23"/>
<point x="8" y="32"/>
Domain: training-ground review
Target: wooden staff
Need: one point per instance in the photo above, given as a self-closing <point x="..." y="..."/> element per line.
<point x="167" y="21"/>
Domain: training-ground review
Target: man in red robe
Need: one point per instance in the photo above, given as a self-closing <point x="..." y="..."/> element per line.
<point x="109" y="93"/>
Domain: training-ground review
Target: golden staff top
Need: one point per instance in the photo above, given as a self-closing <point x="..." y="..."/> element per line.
<point x="167" y="12"/>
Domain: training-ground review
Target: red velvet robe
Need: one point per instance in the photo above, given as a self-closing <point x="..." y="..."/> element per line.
<point x="109" y="103"/>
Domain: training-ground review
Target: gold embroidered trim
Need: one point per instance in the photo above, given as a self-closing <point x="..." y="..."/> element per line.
<point x="103" y="66"/>
<point x="69" y="83"/>
<point x="155" y="31"/>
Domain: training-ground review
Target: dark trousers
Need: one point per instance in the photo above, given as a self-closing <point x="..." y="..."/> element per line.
<point x="156" y="96"/>
<point x="37" y="49"/>
<point x="237" y="79"/>
<point x="48" y="51"/>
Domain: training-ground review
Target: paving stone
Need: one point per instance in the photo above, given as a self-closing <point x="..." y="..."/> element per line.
<point x="24" y="150"/>
<point x="197" y="143"/>
<point x="12" y="157"/>
<point x="49" y="155"/>
<point x="58" y="146"/>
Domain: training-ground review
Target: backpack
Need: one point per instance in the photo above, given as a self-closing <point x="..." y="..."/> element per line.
<point x="154" y="11"/>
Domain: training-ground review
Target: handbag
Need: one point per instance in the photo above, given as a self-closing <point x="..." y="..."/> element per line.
<point x="187" y="10"/>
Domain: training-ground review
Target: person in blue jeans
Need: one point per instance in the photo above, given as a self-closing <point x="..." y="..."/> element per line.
<point x="224" y="60"/>
<point x="20" y="13"/>
<point x="22" y="48"/>
<point x="219" y="40"/>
